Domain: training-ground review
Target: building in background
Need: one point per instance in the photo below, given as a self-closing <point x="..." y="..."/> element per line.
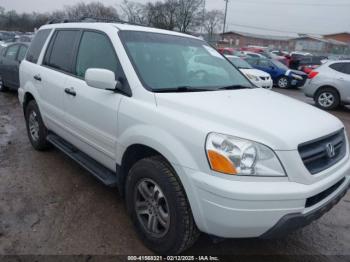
<point x="343" y="37"/>
<point x="318" y="45"/>
<point x="240" y="39"/>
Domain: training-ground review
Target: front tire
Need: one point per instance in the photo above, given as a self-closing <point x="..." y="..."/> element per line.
<point x="283" y="82"/>
<point x="327" y="99"/>
<point x="36" y="129"/>
<point x="158" y="207"/>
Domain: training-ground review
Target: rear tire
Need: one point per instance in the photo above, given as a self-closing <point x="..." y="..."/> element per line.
<point x="36" y="129"/>
<point x="175" y="229"/>
<point x="327" y="98"/>
<point x="2" y="87"/>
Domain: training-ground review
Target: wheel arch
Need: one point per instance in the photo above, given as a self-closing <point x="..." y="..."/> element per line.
<point x="133" y="154"/>
<point x="319" y="89"/>
<point x="28" y="96"/>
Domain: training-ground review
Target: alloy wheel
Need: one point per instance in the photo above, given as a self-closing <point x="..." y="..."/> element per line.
<point x="283" y="82"/>
<point x="34" y="126"/>
<point x="326" y="99"/>
<point x="152" y="208"/>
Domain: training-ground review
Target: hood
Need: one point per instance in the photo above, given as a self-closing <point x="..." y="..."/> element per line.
<point x="255" y="72"/>
<point x="275" y="120"/>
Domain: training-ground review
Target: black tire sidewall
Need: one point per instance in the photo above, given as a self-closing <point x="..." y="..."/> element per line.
<point x="41" y="143"/>
<point x="171" y="242"/>
<point x="336" y="98"/>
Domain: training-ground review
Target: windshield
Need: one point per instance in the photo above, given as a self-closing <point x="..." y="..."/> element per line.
<point x="166" y="62"/>
<point x="239" y="63"/>
<point x="279" y="64"/>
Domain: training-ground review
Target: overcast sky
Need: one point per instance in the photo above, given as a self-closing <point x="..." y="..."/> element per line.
<point x="281" y="16"/>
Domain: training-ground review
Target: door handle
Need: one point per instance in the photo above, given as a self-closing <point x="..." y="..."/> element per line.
<point x="340" y="78"/>
<point x="37" y="77"/>
<point x="70" y="91"/>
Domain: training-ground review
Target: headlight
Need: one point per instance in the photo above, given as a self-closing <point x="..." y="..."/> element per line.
<point x="297" y="76"/>
<point x="237" y="156"/>
<point x="252" y="77"/>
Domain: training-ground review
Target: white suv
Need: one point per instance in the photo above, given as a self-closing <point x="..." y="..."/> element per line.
<point x="191" y="150"/>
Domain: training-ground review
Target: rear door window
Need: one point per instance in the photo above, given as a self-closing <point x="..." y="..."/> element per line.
<point x="337" y="67"/>
<point x="61" y="50"/>
<point x="11" y="52"/>
<point x="37" y="45"/>
<point x="264" y="63"/>
<point x="22" y="53"/>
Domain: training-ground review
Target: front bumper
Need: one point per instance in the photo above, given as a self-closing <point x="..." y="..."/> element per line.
<point x="292" y="222"/>
<point x="266" y="84"/>
<point x="247" y="208"/>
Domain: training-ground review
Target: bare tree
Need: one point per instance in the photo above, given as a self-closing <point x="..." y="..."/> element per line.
<point x="162" y="14"/>
<point x="94" y="9"/>
<point x="134" y="12"/>
<point x="213" y="21"/>
<point x="188" y="14"/>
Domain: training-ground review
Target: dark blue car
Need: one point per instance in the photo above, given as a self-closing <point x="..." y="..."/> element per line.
<point x="282" y="76"/>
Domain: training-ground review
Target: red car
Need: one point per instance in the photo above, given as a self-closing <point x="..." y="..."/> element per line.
<point x="226" y="50"/>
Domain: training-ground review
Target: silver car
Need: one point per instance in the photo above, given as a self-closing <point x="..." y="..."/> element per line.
<point x="329" y="84"/>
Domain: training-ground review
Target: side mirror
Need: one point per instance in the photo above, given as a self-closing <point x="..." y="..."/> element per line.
<point x="101" y="79"/>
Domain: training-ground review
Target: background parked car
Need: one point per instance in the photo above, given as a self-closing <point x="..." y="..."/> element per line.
<point x="226" y="50"/>
<point x="253" y="54"/>
<point x="304" y="63"/>
<point x="10" y="59"/>
<point x="257" y="77"/>
<point x="329" y="84"/>
<point x="281" y="75"/>
<point x="279" y="52"/>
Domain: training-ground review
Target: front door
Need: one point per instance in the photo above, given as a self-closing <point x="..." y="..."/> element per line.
<point x="91" y="114"/>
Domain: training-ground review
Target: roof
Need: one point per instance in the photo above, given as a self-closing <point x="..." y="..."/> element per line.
<point x="268" y="37"/>
<point x="321" y="39"/>
<point x="340" y="33"/>
<point x="110" y="26"/>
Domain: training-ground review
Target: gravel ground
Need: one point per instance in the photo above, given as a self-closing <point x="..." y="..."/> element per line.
<point x="49" y="205"/>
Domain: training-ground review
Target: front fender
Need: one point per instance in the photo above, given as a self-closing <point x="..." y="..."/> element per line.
<point x="160" y="140"/>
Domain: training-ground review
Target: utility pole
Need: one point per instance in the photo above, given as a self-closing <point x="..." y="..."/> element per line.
<point x="223" y="31"/>
<point x="203" y="17"/>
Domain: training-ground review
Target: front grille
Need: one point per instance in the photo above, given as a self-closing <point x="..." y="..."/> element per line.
<point x="319" y="197"/>
<point x="317" y="157"/>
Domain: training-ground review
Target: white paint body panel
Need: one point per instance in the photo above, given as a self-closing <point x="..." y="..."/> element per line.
<point x="266" y="83"/>
<point x="104" y="124"/>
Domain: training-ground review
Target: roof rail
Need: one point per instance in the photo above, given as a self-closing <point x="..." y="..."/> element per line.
<point x="89" y="19"/>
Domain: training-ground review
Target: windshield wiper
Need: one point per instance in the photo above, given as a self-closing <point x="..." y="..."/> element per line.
<point x="180" y="89"/>
<point x="233" y="87"/>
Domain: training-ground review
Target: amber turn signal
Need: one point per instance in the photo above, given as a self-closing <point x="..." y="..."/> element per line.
<point x="220" y="163"/>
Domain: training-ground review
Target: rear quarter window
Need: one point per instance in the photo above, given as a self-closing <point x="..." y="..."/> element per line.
<point x="37" y="45"/>
<point x="339" y="67"/>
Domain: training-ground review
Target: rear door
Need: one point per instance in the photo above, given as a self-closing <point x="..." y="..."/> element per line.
<point x="91" y="114"/>
<point x="22" y="50"/>
<point x="31" y="66"/>
<point x="9" y="64"/>
<point x="57" y="66"/>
